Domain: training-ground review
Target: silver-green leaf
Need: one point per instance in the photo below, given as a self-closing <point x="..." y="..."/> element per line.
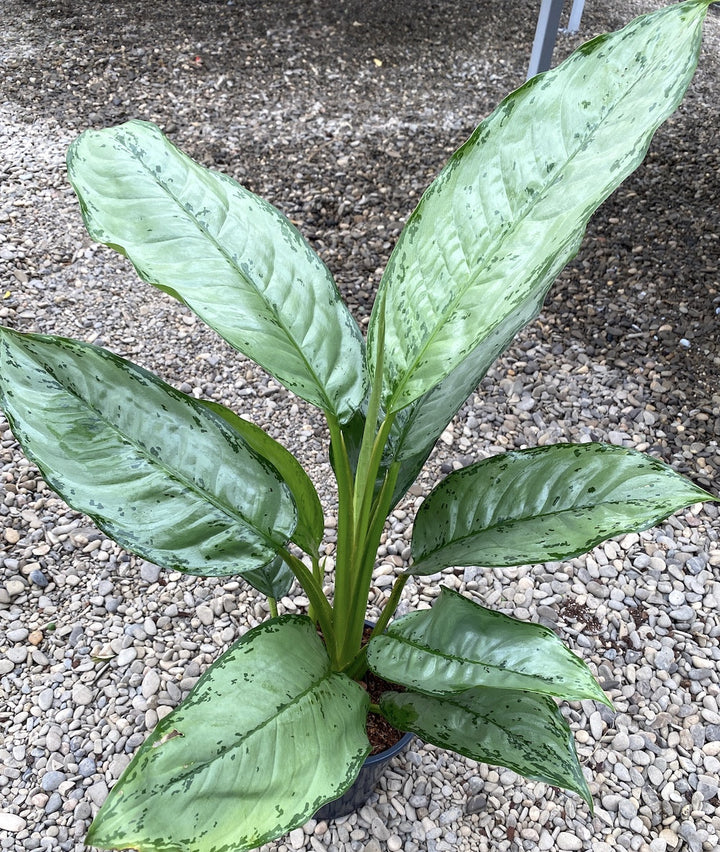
<point x="509" y="210"/>
<point x="158" y="471"/>
<point x="457" y="645"/>
<point x="267" y="736"/>
<point x="232" y="257"/>
<point x="544" y="504"/>
<point x="520" y="730"/>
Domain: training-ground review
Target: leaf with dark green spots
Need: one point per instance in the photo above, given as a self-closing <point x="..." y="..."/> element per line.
<point x="268" y="735"/>
<point x="274" y="579"/>
<point x="544" y="504"/>
<point x="230" y="256"/>
<point x="311" y="524"/>
<point x="503" y="727"/>
<point x="155" y="469"/>
<point x="458" y="645"/>
<point x="509" y="210"/>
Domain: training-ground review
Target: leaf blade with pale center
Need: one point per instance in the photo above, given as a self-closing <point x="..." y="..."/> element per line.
<point x="458" y="645"/>
<point x="520" y="730"/>
<point x="510" y="208"/>
<point x="155" y="469"/>
<point x="267" y="736"/>
<point x="544" y="504"/>
<point x="232" y="257"/>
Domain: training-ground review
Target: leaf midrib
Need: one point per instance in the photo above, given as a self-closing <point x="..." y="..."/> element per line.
<point x="462" y="661"/>
<point x="229" y="511"/>
<point x="232" y="264"/>
<point x="494" y="247"/>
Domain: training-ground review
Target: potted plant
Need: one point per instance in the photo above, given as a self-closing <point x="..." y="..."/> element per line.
<point x="276" y="727"/>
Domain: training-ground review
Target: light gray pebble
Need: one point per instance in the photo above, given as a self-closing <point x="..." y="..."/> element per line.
<point x="81" y="695"/>
<point x="149" y="572"/>
<point x="683" y="614"/>
<point x="45" y="699"/>
<point x="568" y="842"/>
<point x="379" y="830"/>
<point x="97" y="792"/>
<point x="54" y="803"/>
<point x="51" y="780"/>
<point x="126" y="656"/>
<point x="19" y="634"/>
<point x="86" y="767"/>
<point x="12" y="823"/>
<point x="707" y="786"/>
<point x="627" y="809"/>
<point x="17" y="655"/>
<point x="205" y="614"/>
<point x="150" y="683"/>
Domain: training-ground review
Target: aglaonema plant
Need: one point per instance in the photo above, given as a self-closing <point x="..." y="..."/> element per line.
<point x="276" y="727"/>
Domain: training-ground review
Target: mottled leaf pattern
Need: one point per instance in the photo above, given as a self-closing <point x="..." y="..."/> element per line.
<point x="267" y="736"/>
<point x="510" y="208"/>
<point x="273" y="580"/>
<point x="504" y="727"/>
<point x="458" y="645"/>
<point x="234" y="259"/>
<point x="155" y="469"/>
<point x="544" y="504"/>
<point x="311" y="523"/>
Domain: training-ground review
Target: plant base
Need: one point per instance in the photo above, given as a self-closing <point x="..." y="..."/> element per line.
<point x="354" y="798"/>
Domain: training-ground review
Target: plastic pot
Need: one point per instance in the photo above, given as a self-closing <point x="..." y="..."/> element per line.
<point x="354" y="798"/>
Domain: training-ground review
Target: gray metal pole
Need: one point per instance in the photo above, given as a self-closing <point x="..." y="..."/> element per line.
<point x="575" y="15"/>
<point x="545" y="35"/>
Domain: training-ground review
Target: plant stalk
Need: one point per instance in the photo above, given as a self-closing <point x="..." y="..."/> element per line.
<point x="318" y="601"/>
<point x="344" y="562"/>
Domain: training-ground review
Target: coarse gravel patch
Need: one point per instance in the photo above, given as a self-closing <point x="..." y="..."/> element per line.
<point x="340" y="114"/>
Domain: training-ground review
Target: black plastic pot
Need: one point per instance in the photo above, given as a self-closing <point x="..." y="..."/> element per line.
<point x="354" y="798"/>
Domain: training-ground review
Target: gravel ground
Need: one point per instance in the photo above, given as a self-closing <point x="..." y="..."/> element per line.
<point x="340" y="113"/>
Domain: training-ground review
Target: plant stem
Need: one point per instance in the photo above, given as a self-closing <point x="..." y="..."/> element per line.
<point x="319" y="575"/>
<point x="317" y="599"/>
<point x="374" y="708"/>
<point x="273" y="607"/>
<point x="391" y="605"/>
<point x="365" y="473"/>
<point x="366" y="551"/>
<point x="344" y="562"/>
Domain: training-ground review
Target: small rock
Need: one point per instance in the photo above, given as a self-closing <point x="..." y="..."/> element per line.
<point x="150" y="683"/>
<point x="14" y="588"/>
<point x="35" y="638"/>
<point x="86" y="767"/>
<point x="54" y="804"/>
<point x="205" y="614"/>
<point x="11" y="822"/>
<point x="97" y="793"/>
<point x="81" y="695"/>
<point x="126" y="656"/>
<point x="379" y="830"/>
<point x="476" y="804"/>
<point x="297" y="838"/>
<point x="19" y="634"/>
<point x="568" y="842"/>
<point x="38" y="578"/>
<point x="149" y="572"/>
<point x="52" y="780"/>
